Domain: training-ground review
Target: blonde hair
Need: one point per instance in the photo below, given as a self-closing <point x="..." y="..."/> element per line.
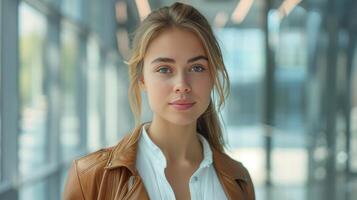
<point x="186" y="17"/>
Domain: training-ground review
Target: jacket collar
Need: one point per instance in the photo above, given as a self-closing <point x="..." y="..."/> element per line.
<point x="124" y="155"/>
<point x="229" y="167"/>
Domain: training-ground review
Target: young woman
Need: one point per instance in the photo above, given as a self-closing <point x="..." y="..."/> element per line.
<point x="177" y="62"/>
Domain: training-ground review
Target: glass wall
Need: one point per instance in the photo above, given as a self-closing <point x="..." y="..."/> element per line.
<point x="111" y="102"/>
<point x="69" y="122"/>
<point x="294" y="68"/>
<point x="289" y="137"/>
<point x="243" y="53"/>
<point x="72" y="9"/>
<point x="60" y="56"/>
<point x="95" y="139"/>
<point x="32" y="138"/>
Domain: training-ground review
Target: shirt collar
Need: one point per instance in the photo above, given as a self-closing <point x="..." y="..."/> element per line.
<point x="152" y="150"/>
<point x="149" y="148"/>
<point x="207" y="152"/>
<point x="124" y="155"/>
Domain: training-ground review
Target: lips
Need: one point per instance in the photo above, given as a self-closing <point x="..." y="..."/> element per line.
<point x="182" y="104"/>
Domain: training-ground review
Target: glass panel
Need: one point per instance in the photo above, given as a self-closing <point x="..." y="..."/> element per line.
<point x="35" y="191"/>
<point x="33" y="107"/>
<point x="93" y="15"/>
<point x="290" y="76"/>
<point x="111" y="104"/>
<point x="93" y="120"/>
<point x="125" y="119"/>
<point x="244" y="57"/>
<point x="69" y="123"/>
<point x="72" y="8"/>
<point x="289" y="139"/>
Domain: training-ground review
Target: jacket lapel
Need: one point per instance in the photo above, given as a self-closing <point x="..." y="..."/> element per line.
<point x="121" y="167"/>
<point x="124" y="154"/>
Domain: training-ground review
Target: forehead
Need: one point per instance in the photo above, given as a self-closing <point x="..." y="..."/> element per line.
<point x="175" y="43"/>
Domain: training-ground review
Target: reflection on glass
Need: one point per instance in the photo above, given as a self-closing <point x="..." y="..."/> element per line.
<point x="33" y="110"/>
<point x="244" y="58"/>
<point x="69" y="123"/>
<point x="93" y="95"/>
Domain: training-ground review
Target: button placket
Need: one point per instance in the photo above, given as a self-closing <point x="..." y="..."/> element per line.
<point x="194" y="187"/>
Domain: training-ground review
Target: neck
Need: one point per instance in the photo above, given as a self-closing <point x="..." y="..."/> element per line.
<point x="179" y="143"/>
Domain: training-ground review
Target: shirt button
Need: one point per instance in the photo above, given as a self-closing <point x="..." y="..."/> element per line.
<point x="195" y="178"/>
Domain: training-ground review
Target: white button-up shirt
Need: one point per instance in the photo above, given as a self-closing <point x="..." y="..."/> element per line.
<point x="151" y="164"/>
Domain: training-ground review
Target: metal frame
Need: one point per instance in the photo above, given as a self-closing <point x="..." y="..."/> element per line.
<point x="9" y="105"/>
<point x="0" y="87"/>
<point x="269" y="110"/>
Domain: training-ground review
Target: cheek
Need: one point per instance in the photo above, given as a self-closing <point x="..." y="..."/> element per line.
<point x="203" y="86"/>
<point x="157" y="92"/>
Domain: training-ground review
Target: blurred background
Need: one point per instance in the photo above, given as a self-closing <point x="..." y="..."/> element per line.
<point x="291" y="117"/>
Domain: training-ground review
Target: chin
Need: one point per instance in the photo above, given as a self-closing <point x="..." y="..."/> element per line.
<point x="179" y="118"/>
<point x="182" y="120"/>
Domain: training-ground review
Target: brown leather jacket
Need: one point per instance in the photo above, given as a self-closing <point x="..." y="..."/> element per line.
<point x="110" y="174"/>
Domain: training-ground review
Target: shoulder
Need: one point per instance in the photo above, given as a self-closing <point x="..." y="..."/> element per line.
<point x="83" y="173"/>
<point x="234" y="170"/>
<point x="94" y="160"/>
<point x="98" y="160"/>
<point x="228" y="166"/>
<point x="87" y="172"/>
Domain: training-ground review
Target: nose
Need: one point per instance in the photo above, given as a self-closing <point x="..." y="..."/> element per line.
<point x="182" y="85"/>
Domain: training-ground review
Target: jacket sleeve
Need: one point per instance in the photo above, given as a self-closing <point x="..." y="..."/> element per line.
<point x="250" y="187"/>
<point x="73" y="188"/>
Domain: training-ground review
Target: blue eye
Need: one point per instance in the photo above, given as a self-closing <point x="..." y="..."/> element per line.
<point x="164" y="70"/>
<point x="198" y="68"/>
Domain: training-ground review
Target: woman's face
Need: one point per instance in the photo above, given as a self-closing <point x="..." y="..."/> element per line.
<point x="176" y="77"/>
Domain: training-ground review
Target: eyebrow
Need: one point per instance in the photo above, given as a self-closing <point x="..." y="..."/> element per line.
<point x="170" y="60"/>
